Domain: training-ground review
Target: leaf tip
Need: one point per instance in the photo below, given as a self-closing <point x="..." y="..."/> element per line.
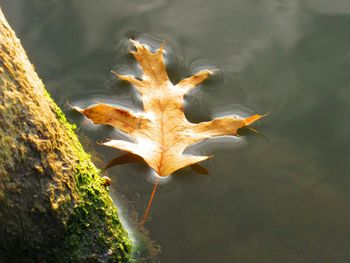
<point x="253" y="118"/>
<point x="212" y="71"/>
<point x="138" y="45"/>
<point x="77" y="108"/>
<point x="162" y="46"/>
<point x="117" y="75"/>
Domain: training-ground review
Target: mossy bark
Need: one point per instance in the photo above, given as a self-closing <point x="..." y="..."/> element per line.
<point x="53" y="205"/>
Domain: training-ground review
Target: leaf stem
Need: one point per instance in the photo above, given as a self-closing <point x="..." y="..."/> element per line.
<point x="146" y="214"/>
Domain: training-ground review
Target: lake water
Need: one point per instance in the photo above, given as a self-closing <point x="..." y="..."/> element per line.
<point x="280" y="195"/>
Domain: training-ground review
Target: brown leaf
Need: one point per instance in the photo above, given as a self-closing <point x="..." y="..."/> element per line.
<point x="199" y="169"/>
<point x="123" y="159"/>
<point x="161" y="132"/>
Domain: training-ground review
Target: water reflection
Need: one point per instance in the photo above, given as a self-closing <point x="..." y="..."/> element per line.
<point x="334" y="7"/>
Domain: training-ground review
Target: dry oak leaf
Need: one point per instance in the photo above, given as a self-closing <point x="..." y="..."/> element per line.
<point x="161" y="132"/>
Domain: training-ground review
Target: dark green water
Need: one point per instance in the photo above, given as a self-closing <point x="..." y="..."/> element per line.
<point x="279" y="196"/>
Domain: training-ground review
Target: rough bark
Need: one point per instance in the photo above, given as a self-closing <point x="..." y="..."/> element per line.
<point x="53" y="205"/>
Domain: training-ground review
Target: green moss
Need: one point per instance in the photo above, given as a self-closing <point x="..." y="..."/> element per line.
<point x="94" y="224"/>
<point x="95" y="221"/>
<point x="60" y="115"/>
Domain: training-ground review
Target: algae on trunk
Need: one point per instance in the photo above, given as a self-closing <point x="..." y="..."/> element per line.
<point x="53" y="205"/>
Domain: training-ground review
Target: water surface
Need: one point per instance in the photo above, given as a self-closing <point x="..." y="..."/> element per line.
<point x="279" y="196"/>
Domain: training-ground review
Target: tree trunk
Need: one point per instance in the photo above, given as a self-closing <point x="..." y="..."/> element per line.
<point x="53" y="205"/>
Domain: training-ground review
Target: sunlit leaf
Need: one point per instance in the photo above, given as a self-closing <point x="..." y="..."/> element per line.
<point x="161" y="132"/>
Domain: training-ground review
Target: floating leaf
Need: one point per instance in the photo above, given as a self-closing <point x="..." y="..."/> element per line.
<point x="161" y="132"/>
